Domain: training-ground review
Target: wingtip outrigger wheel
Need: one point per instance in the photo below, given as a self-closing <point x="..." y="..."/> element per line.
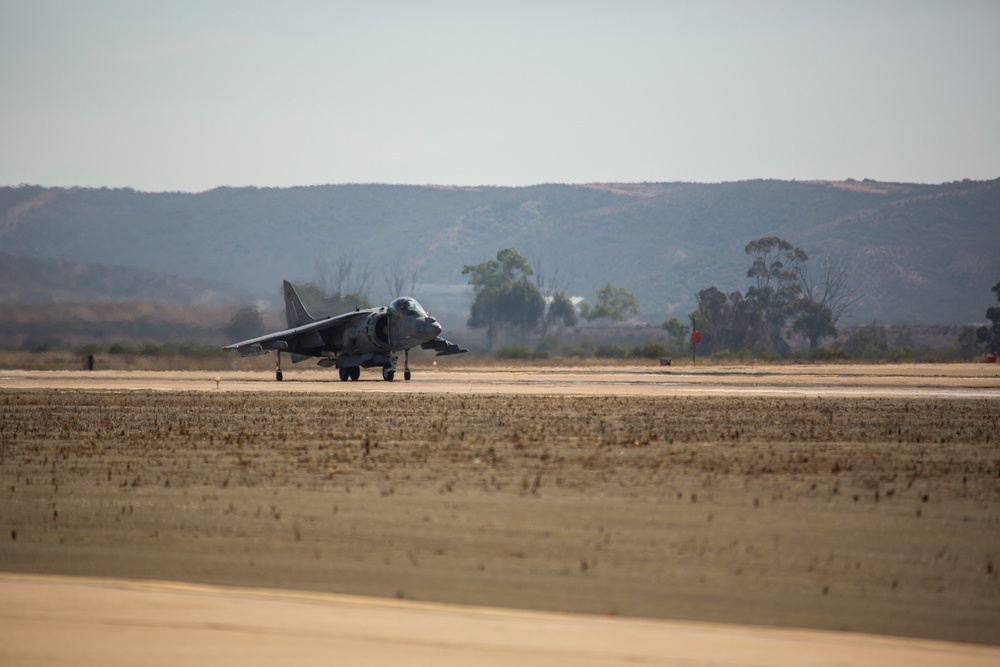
<point x="277" y="371"/>
<point x="406" y="366"/>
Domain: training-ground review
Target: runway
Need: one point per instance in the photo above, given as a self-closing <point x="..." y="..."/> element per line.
<point x="927" y="380"/>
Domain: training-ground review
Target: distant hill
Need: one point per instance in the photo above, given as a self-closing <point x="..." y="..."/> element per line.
<point x="925" y="254"/>
<point x="71" y="325"/>
<point x="25" y="280"/>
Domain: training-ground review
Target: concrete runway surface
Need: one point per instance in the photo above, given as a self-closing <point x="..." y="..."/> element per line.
<point x="51" y="620"/>
<point x="76" y="621"/>
<point x="954" y="380"/>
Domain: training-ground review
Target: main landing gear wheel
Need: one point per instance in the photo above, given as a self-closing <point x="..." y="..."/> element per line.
<point x="352" y="373"/>
<point x="388" y="374"/>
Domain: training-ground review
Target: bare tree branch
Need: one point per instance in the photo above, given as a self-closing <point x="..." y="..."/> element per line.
<point x="342" y="277"/>
<point x="837" y="291"/>
<point x="399" y="281"/>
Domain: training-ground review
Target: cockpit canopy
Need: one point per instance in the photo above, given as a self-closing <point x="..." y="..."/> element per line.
<point x="406" y="306"/>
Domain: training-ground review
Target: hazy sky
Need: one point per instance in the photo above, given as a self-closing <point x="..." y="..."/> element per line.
<point x="192" y="95"/>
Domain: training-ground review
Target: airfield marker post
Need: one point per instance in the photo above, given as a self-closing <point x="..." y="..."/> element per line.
<point x="695" y="339"/>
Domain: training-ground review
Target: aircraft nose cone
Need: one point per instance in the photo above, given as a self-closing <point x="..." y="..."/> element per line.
<point x="433" y="327"/>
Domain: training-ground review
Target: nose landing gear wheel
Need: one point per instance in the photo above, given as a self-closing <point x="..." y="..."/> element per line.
<point x="388" y="375"/>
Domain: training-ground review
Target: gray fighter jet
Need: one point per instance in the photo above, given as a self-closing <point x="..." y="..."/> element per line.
<point x="354" y="340"/>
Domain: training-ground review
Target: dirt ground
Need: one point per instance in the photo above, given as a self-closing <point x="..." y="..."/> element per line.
<point x="864" y="499"/>
<point x="112" y="622"/>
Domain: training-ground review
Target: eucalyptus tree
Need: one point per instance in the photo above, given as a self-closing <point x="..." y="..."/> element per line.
<point x="504" y="295"/>
<point x="613" y="303"/>
<point x="989" y="336"/>
<point x="777" y="271"/>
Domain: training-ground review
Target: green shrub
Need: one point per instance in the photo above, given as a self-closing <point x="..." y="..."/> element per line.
<point x="827" y="354"/>
<point x="548" y="346"/>
<point x="612" y="351"/>
<point x="866" y="344"/>
<point x="649" y="350"/>
<point x="151" y="350"/>
<point x="582" y="350"/>
<point x="521" y="352"/>
<point x="901" y="354"/>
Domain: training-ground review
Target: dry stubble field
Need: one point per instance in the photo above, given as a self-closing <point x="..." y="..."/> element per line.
<point x="869" y="514"/>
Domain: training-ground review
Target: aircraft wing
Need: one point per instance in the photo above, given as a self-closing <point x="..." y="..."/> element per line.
<point x="305" y="336"/>
<point x="443" y="347"/>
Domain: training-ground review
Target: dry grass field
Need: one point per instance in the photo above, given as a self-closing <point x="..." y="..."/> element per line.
<point x="861" y="513"/>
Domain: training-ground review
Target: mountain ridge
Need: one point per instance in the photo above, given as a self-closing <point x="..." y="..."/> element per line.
<point x="922" y="253"/>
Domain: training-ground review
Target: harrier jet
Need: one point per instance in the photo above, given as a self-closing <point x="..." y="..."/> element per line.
<point x="354" y="340"/>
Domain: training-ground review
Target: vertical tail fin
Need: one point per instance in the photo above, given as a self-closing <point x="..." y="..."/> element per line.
<point x="295" y="312"/>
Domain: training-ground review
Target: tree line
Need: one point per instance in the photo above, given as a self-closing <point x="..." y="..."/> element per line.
<point x="505" y="296"/>
<point x="787" y="305"/>
<point x="784" y="300"/>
